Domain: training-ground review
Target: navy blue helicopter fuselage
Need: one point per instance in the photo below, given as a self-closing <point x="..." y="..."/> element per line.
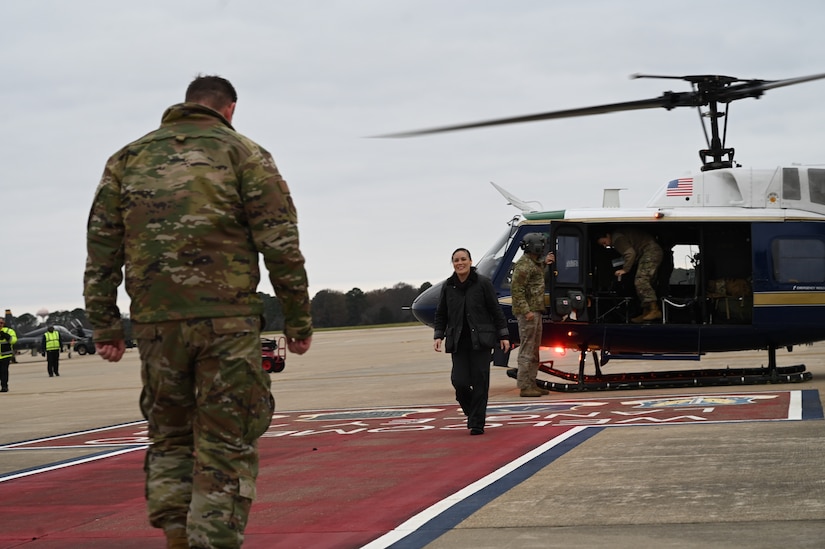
<point x="743" y="268"/>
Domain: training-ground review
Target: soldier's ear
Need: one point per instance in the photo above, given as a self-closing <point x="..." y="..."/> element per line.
<point x="228" y="112"/>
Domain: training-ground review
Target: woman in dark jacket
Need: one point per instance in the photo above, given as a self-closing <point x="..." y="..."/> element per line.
<point x="469" y="316"/>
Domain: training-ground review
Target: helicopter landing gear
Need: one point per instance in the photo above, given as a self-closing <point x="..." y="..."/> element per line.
<point x="580" y="382"/>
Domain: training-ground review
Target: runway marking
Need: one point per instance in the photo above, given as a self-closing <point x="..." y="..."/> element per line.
<point x="605" y="412"/>
<point x="66" y="463"/>
<point x="425" y="526"/>
<point x="324" y="473"/>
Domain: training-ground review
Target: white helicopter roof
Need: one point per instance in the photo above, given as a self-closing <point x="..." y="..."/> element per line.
<point x="781" y="194"/>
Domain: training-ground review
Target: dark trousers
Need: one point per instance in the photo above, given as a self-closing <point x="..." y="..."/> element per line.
<point x="4" y="372"/>
<point x="52" y="361"/>
<point x="471" y="380"/>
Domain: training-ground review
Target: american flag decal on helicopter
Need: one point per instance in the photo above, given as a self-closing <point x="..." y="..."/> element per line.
<point x="680" y="187"/>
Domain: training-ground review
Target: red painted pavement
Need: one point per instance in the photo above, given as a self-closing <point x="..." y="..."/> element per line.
<point x="334" y="479"/>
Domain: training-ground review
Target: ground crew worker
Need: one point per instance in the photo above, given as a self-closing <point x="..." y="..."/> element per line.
<point x="51" y="347"/>
<point x="8" y="338"/>
<point x="527" y="290"/>
<point x="187" y="209"/>
<point x="640" y="249"/>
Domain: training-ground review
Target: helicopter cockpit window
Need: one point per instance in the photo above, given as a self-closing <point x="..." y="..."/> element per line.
<point x="505" y="283"/>
<point x="798" y="260"/>
<point x="489" y="262"/>
<point x="816" y="185"/>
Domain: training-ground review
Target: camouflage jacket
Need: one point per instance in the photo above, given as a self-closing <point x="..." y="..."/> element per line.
<point x="527" y="287"/>
<point x="632" y="244"/>
<point x="186" y="209"/>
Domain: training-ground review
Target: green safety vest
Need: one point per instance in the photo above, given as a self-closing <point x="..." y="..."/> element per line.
<point x="52" y="340"/>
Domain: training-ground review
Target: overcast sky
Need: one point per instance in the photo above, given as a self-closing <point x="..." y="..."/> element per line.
<point x="315" y="78"/>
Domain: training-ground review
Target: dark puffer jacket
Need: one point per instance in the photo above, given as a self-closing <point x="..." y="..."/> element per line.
<point x="475" y="299"/>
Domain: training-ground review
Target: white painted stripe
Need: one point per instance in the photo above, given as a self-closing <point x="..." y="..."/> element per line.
<point x="436" y="509"/>
<point x="795" y="405"/>
<point x="67" y="435"/>
<point x="71" y="463"/>
<point x="73" y="447"/>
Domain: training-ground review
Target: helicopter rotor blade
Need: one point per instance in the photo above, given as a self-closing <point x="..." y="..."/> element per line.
<point x="755" y="88"/>
<point x="667" y="100"/>
<point x="709" y="89"/>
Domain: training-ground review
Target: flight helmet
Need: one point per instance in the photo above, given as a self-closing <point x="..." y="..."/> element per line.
<point x="533" y="243"/>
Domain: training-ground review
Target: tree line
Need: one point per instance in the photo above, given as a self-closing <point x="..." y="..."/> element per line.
<point x="330" y="309"/>
<point x="334" y="309"/>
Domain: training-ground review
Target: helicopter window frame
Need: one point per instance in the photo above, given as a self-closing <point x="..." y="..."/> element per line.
<point x="489" y="262"/>
<point x="569" y="253"/>
<point x="791" y="186"/>
<point x="798" y="260"/>
<point x="816" y="185"/>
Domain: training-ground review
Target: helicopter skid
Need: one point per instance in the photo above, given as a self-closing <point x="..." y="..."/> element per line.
<point x="672" y="379"/>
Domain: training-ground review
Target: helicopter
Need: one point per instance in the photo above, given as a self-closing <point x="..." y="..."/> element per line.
<point x="753" y="241"/>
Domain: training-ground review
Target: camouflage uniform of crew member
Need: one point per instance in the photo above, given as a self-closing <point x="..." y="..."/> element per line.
<point x="527" y="290"/>
<point x="640" y="249"/>
<point x="187" y="209"/>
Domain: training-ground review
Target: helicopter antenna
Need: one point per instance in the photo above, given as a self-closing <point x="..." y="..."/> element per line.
<point x="708" y="90"/>
<point x="513" y="200"/>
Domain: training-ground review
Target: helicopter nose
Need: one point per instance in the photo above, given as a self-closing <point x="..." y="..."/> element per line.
<point x="423" y="308"/>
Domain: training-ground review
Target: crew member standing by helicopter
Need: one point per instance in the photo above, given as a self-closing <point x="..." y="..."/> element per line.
<point x="527" y="290"/>
<point x="640" y="249"/>
<point x="469" y="316"/>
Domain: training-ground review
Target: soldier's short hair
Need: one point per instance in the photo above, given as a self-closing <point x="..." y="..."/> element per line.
<point x="213" y="91"/>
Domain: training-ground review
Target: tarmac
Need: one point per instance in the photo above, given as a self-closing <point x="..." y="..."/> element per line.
<point x="742" y="484"/>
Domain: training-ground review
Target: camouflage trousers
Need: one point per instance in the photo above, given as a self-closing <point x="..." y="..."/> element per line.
<point x="529" y="332"/>
<point x="207" y="401"/>
<point x="646" y="269"/>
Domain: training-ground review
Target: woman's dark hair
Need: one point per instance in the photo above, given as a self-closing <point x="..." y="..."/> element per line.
<point x="461" y="250"/>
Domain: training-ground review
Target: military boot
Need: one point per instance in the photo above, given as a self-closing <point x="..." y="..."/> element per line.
<point x="176" y="538"/>
<point x="653" y="312"/>
<point x="530" y="392"/>
<point x="644" y="313"/>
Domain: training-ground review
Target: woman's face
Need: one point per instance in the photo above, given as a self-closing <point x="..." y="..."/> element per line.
<point x="462" y="263"/>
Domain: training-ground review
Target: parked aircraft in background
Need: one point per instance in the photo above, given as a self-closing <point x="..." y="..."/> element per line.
<point x="33" y="340"/>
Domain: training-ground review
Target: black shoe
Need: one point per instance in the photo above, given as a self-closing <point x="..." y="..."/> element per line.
<point x="51" y="375"/>
<point x="58" y="375"/>
<point x="4" y="390"/>
<point x="476" y="431"/>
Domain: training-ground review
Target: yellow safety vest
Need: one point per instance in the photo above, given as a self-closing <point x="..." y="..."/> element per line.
<point x="52" y="340"/>
<point x="7" y="345"/>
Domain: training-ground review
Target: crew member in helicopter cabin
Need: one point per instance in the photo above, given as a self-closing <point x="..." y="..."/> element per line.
<point x="641" y="250"/>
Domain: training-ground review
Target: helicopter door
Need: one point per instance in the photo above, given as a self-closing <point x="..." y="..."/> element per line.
<point x="568" y="300"/>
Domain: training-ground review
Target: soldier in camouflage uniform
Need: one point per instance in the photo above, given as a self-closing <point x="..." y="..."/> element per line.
<point x="640" y="249"/>
<point x="187" y="209"/>
<point x="527" y="290"/>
